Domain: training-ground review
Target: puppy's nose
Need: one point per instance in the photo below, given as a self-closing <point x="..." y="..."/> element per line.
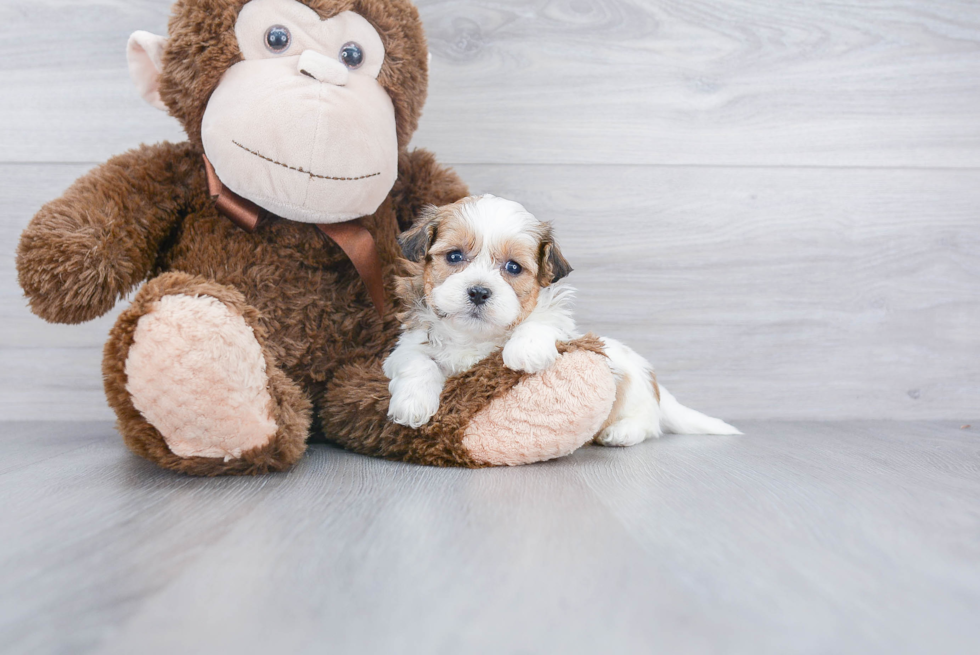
<point x="479" y="295"/>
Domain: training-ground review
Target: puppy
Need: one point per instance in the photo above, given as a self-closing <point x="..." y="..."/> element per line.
<point x="484" y="274"/>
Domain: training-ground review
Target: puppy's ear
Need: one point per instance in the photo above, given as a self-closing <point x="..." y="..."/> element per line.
<point x="553" y="265"/>
<point x="416" y="240"/>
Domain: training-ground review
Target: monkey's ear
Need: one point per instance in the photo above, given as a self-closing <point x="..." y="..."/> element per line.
<point x="144" y="52"/>
<point x="416" y="240"/>
<point x="553" y="266"/>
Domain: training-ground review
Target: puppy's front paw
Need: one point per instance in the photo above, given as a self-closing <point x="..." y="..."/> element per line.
<point x="530" y="353"/>
<point x="413" y="406"/>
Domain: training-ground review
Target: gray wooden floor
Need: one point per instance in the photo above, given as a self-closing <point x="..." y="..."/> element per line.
<point x="859" y="537"/>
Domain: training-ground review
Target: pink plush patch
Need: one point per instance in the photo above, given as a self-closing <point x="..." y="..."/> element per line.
<point x="197" y="374"/>
<point x="546" y="416"/>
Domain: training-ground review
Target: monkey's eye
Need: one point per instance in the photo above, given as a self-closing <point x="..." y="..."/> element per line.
<point x="513" y="268"/>
<point x="455" y="257"/>
<point x="277" y="39"/>
<point x="351" y="55"/>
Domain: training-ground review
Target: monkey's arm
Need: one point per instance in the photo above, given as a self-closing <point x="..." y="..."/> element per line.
<point x="489" y="416"/>
<point x="423" y="181"/>
<point x="85" y="250"/>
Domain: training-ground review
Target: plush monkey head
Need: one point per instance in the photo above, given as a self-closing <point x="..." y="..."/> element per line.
<point x="301" y="106"/>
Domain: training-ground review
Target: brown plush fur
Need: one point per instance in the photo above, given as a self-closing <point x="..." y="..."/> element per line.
<point x="147" y="215"/>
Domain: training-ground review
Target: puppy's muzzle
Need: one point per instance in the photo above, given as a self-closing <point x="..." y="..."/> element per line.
<point x="479" y="295"/>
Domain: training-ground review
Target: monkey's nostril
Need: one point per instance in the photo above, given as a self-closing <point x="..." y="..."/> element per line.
<point x="307" y="73"/>
<point x="479" y="295"/>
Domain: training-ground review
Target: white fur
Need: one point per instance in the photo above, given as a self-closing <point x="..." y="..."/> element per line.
<point x="677" y="419"/>
<point x="498" y="220"/>
<point x="454" y="337"/>
<point x="639" y="415"/>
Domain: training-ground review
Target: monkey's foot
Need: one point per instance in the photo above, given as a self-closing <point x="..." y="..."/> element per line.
<point x="547" y="415"/>
<point x="196" y="373"/>
<point x="198" y="383"/>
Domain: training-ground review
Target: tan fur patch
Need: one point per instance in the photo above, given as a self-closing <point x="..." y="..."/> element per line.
<point x="451" y="234"/>
<point x="526" y="285"/>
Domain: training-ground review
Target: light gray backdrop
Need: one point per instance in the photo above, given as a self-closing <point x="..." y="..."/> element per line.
<point x="777" y="202"/>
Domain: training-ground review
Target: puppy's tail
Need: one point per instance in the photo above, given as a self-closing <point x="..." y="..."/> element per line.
<point x="678" y="419"/>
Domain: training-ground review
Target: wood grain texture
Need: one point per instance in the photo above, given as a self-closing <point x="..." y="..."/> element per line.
<point x="721" y="82"/>
<point x="796" y="538"/>
<point x="734" y="82"/>
<point x="757" y="293"/>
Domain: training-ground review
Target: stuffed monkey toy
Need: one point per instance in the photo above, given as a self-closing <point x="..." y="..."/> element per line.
<point x="268" y="247"/>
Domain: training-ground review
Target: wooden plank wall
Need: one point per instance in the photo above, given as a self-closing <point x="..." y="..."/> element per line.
<point x="778" y="203"/>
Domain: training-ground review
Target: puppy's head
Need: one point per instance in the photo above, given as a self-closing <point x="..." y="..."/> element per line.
<point x="481" y="262"/>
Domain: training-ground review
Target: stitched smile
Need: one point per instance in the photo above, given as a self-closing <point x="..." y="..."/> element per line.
<point x="300" y="170"/>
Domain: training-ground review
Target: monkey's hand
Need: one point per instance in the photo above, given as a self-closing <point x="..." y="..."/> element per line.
<point x="488" y="416"/>
<point x="85" y="250"/>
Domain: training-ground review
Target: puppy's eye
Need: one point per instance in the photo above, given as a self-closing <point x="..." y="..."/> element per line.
<point x="277" y="39"/>
<point x="351" y="55"/>
<point x="455" y="257"/>
<point x="513" y="268"/>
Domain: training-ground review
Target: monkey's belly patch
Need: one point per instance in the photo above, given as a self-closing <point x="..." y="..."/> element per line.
<point x="301" y="170"/>
<point x="197" y="374"/>
<point x="545" y="416"/>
